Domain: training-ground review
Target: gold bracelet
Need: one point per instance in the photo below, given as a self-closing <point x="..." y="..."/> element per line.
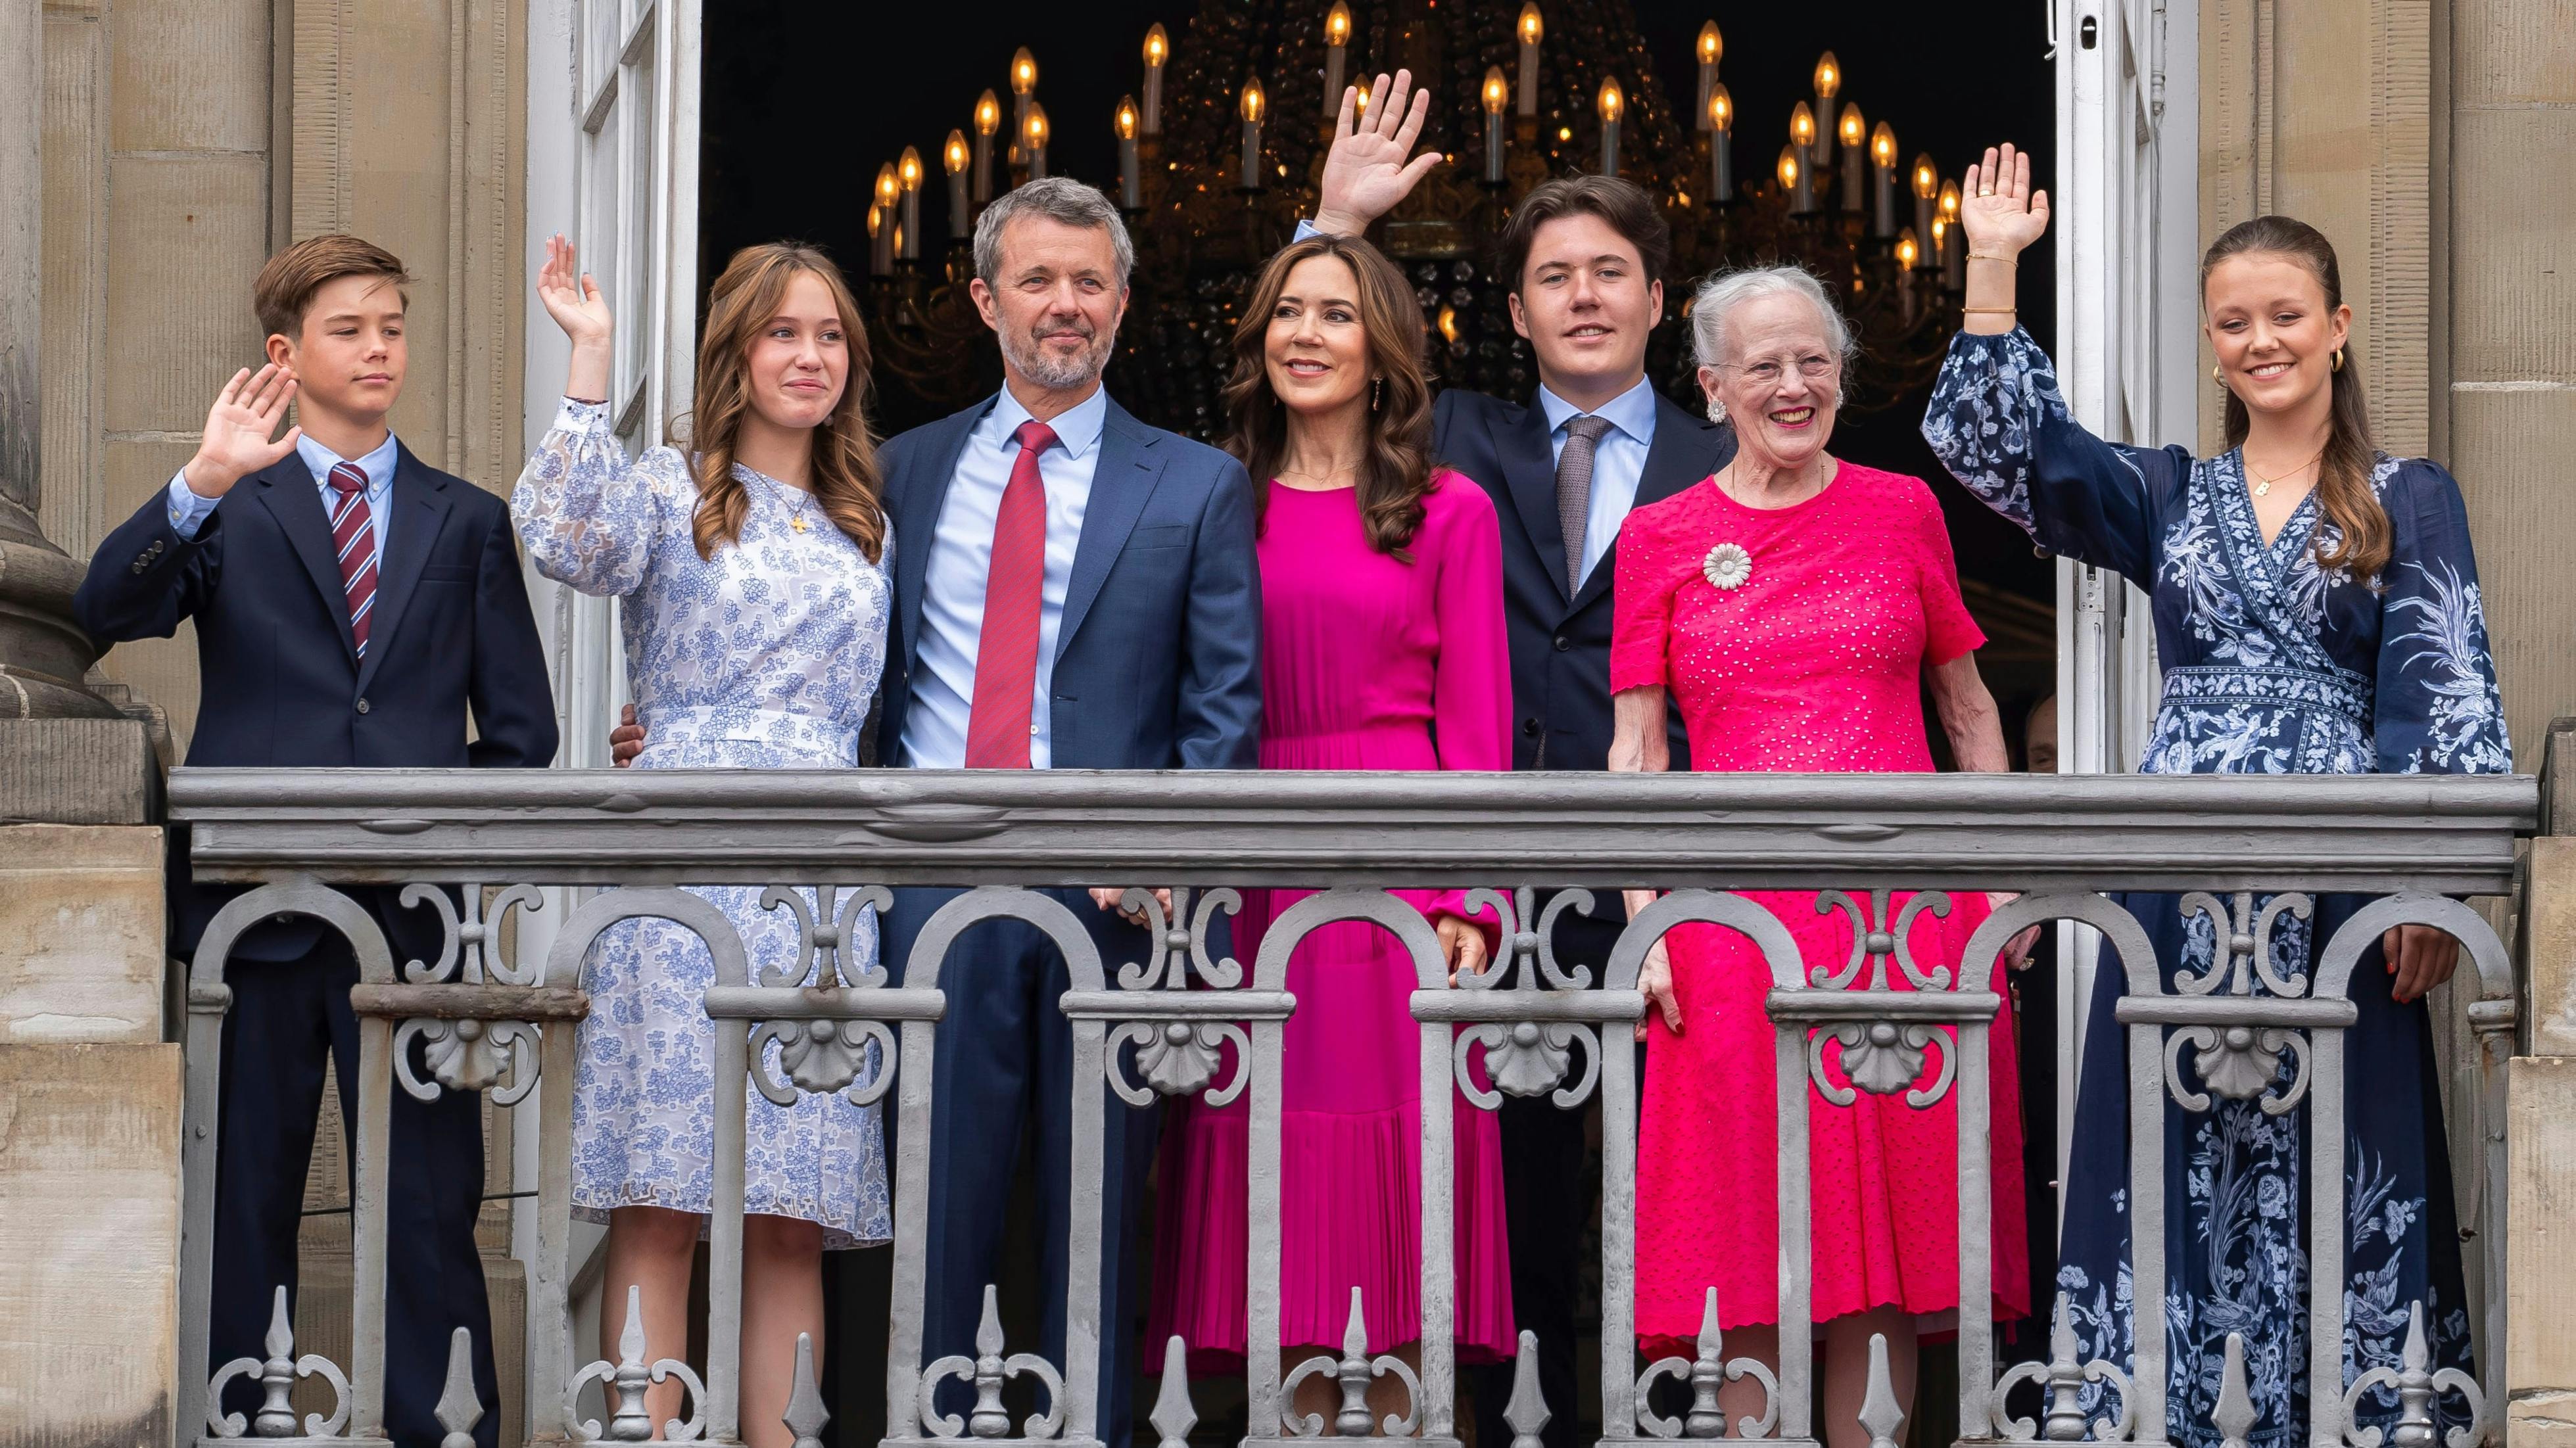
<point x="1997" y="311"/>
<point x="2012" y="261"/>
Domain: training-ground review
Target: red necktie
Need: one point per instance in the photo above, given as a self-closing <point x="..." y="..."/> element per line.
<point x="352" y="534"/>
<point x="1001" y="721"/>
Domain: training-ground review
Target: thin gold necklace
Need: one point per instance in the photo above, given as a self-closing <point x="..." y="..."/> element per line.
<point x="2263" y="486"/>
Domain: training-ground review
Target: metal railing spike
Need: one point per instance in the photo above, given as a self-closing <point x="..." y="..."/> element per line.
<point x="806" y="1416"/>
<point x="1526" y="1413"/>
<point x="2234" y="1415"/>
<point x="1878" y="1410"/>
<point x="459" y="1409"/>
<point x="1173" y="1416"/>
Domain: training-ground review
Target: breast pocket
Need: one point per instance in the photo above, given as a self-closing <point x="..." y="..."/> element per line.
<point x="447" y="573"/>
<point x="1175" y="535"/>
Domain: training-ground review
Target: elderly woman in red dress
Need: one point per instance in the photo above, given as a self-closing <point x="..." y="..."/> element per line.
<point x="1793" y="607"/>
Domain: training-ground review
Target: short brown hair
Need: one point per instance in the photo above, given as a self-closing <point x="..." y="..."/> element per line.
<point x="1623" y="204"/>
<point x="284" y="291"/>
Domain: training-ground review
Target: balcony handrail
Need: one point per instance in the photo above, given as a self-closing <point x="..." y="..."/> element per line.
<point x="2364" y="834"/>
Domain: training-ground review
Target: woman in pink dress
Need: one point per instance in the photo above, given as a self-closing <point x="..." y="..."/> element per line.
<point x="1793" y="606"/>
<point x="1382" y="648"/>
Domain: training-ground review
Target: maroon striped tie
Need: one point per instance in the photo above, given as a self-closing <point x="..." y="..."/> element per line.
<point x="352" y="528"/>
<point x="1001" y="720"/>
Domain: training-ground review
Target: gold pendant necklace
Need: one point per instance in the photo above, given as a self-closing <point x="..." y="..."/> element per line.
<point x="797" y="521"/>
<point x="2263" y="486"/>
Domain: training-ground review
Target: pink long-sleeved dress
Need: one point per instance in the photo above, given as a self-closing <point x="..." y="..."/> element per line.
<point x="1368" y="662"/>
<point x="1795" y="639"/>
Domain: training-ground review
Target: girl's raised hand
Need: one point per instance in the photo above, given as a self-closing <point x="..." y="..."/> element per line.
<point x="1997" y="208"/>
<point x="572" y="298"/>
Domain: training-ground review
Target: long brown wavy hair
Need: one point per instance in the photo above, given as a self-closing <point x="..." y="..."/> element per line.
<point x="1395" y="472"/>
<point x="2344" y="492"/>
<point x="845" y="479"/>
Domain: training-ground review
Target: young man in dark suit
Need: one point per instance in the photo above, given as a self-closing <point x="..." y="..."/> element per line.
<point x="352" y="606"/>
<point x="1586" y="257"/>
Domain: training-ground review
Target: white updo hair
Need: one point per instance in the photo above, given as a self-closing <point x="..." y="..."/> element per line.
<point x="1719" y="296"/>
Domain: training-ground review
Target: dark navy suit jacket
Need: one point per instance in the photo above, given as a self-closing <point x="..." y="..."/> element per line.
<point x="1561" y="640"/>
<point x="280" y="680"/>
<point x="1158" y="658"/>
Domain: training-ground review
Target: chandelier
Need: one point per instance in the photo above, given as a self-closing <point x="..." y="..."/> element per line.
<point x="1224" y="151"/>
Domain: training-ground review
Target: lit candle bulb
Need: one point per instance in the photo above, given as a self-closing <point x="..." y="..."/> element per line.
<point x="1158" y="48"/>
<point x="988" y="119"/>
<point x="1882" y="171"/>
<point x="1337" y="34"/>
<point x="1721" y="143"/>
<point x="1712" y="48"/>
<point x="1496" y="95"/>
<point x="1130" y="187"/>
<point x="1927" y="186"/>
<point x="1802" y="197"/>
<point x="881" y="221"/>
<point x="1909" y="254"/>
<point x="1852" y="131"/>
<point x="1954" y="242"/>
<point x="1802" y="134"/>
<point x="1611" y="102"/>
<point x="908" y="172"/>
<point x="954" y="156"/>
<point x="1829" y="83"/>
<point x="1024" y="86"/>
<point x="1033" y="140"/>
<point x="1530" y="30"/>
<point x="1250" y="105"/>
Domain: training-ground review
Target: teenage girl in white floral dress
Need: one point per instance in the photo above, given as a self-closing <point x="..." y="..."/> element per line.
<point x="2316" y="612"/>
<point x="755" y="574"/>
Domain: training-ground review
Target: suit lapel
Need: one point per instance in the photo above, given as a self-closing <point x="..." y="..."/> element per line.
<point x="288" y="491"/>
<point x="1686" y="449"/>
<point x="416" y="510"/>
<point x="1121" y="481"/>
<point x="1529" y="473"/>
<point x="919" y="496"/>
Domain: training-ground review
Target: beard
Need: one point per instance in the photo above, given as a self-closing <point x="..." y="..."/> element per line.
<point x="1052" y="370"/>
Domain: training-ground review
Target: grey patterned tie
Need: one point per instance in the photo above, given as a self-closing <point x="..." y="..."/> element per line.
<point x="1574" y="490"/>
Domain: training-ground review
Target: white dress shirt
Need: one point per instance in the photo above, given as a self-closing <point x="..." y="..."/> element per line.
<point x="1618" y="460"/>
<point x="961" y="558"/>
<point x="189" y="508"/>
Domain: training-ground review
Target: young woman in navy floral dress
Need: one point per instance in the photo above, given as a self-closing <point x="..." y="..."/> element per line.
<point x="2316" y="612"/>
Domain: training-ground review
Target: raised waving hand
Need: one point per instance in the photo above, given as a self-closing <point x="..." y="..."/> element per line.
<point x="1366" y="172"/>
<point x="237" y="440"/>
<point x="1998" y="210"/>
<point x="572" y="298"/>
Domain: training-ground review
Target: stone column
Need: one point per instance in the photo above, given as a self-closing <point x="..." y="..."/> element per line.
<point x="43" y="654"/>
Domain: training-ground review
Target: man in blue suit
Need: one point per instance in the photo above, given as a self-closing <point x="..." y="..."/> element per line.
<point x="352" y="606"/>
<point x="1074" y="590"/>
<point x="1585" y="256"/>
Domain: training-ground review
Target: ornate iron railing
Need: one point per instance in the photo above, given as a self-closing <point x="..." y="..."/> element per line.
<point x="2243" y="850"/>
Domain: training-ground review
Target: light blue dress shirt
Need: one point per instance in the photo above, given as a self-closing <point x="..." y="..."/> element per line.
<point x="961" y="557"/>
<point x="1618" y="460"/>
<point x="189" y="509"/>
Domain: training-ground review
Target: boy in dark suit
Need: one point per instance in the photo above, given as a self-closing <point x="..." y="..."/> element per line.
<point x="352" y="604"/>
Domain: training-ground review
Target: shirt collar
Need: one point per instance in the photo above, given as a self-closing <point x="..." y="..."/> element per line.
<point x="1076" y="428"/>
<point x="1632" y="411"/>
<point x="377" y="465"/>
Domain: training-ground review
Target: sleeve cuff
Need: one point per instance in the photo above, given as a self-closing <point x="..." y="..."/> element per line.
<point x="1305" y="229"/>
<point x="578" y="416"/>
<point x="188" y="508"/>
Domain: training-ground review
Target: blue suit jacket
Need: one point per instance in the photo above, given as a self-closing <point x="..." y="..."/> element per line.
<point x="280" y="679"/>
<point x="1561" y="640"/>
<point x="1158" y="659"/>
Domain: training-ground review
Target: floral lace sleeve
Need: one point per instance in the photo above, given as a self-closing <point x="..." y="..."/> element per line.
<point x="588" y="518"/>
<point x="2436" y="708"/>
<point x="1999" y="424"/>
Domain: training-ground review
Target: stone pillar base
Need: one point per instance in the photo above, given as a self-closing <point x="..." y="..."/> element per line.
<point x="44" y="656"/>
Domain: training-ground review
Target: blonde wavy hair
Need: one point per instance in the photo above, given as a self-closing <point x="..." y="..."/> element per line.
<point x="845" y="479"/>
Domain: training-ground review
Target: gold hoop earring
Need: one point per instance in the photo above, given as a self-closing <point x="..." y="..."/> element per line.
<point x="2338" y="359"/>
<point x="2214" y="375"/>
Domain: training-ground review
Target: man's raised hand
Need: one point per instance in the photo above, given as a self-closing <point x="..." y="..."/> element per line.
<point x="1366" y="173"/>
<point x="237" y="441"/>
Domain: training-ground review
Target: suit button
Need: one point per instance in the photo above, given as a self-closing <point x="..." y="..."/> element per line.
<point x="1562" y="644"/>
<point x="362" y="706"/>
<point x="1530" y="727"/>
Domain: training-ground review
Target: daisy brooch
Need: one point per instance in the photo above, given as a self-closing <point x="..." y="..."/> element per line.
<point x="1727" y="566"/>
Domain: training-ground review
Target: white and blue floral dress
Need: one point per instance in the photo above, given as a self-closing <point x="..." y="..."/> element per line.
<point x="764" y="657"/>
<point x="2272" y="664"/>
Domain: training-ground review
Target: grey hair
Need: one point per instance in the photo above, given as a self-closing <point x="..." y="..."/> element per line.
<point x="1719" y="296"/>
<point x="1058" y="198"/>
